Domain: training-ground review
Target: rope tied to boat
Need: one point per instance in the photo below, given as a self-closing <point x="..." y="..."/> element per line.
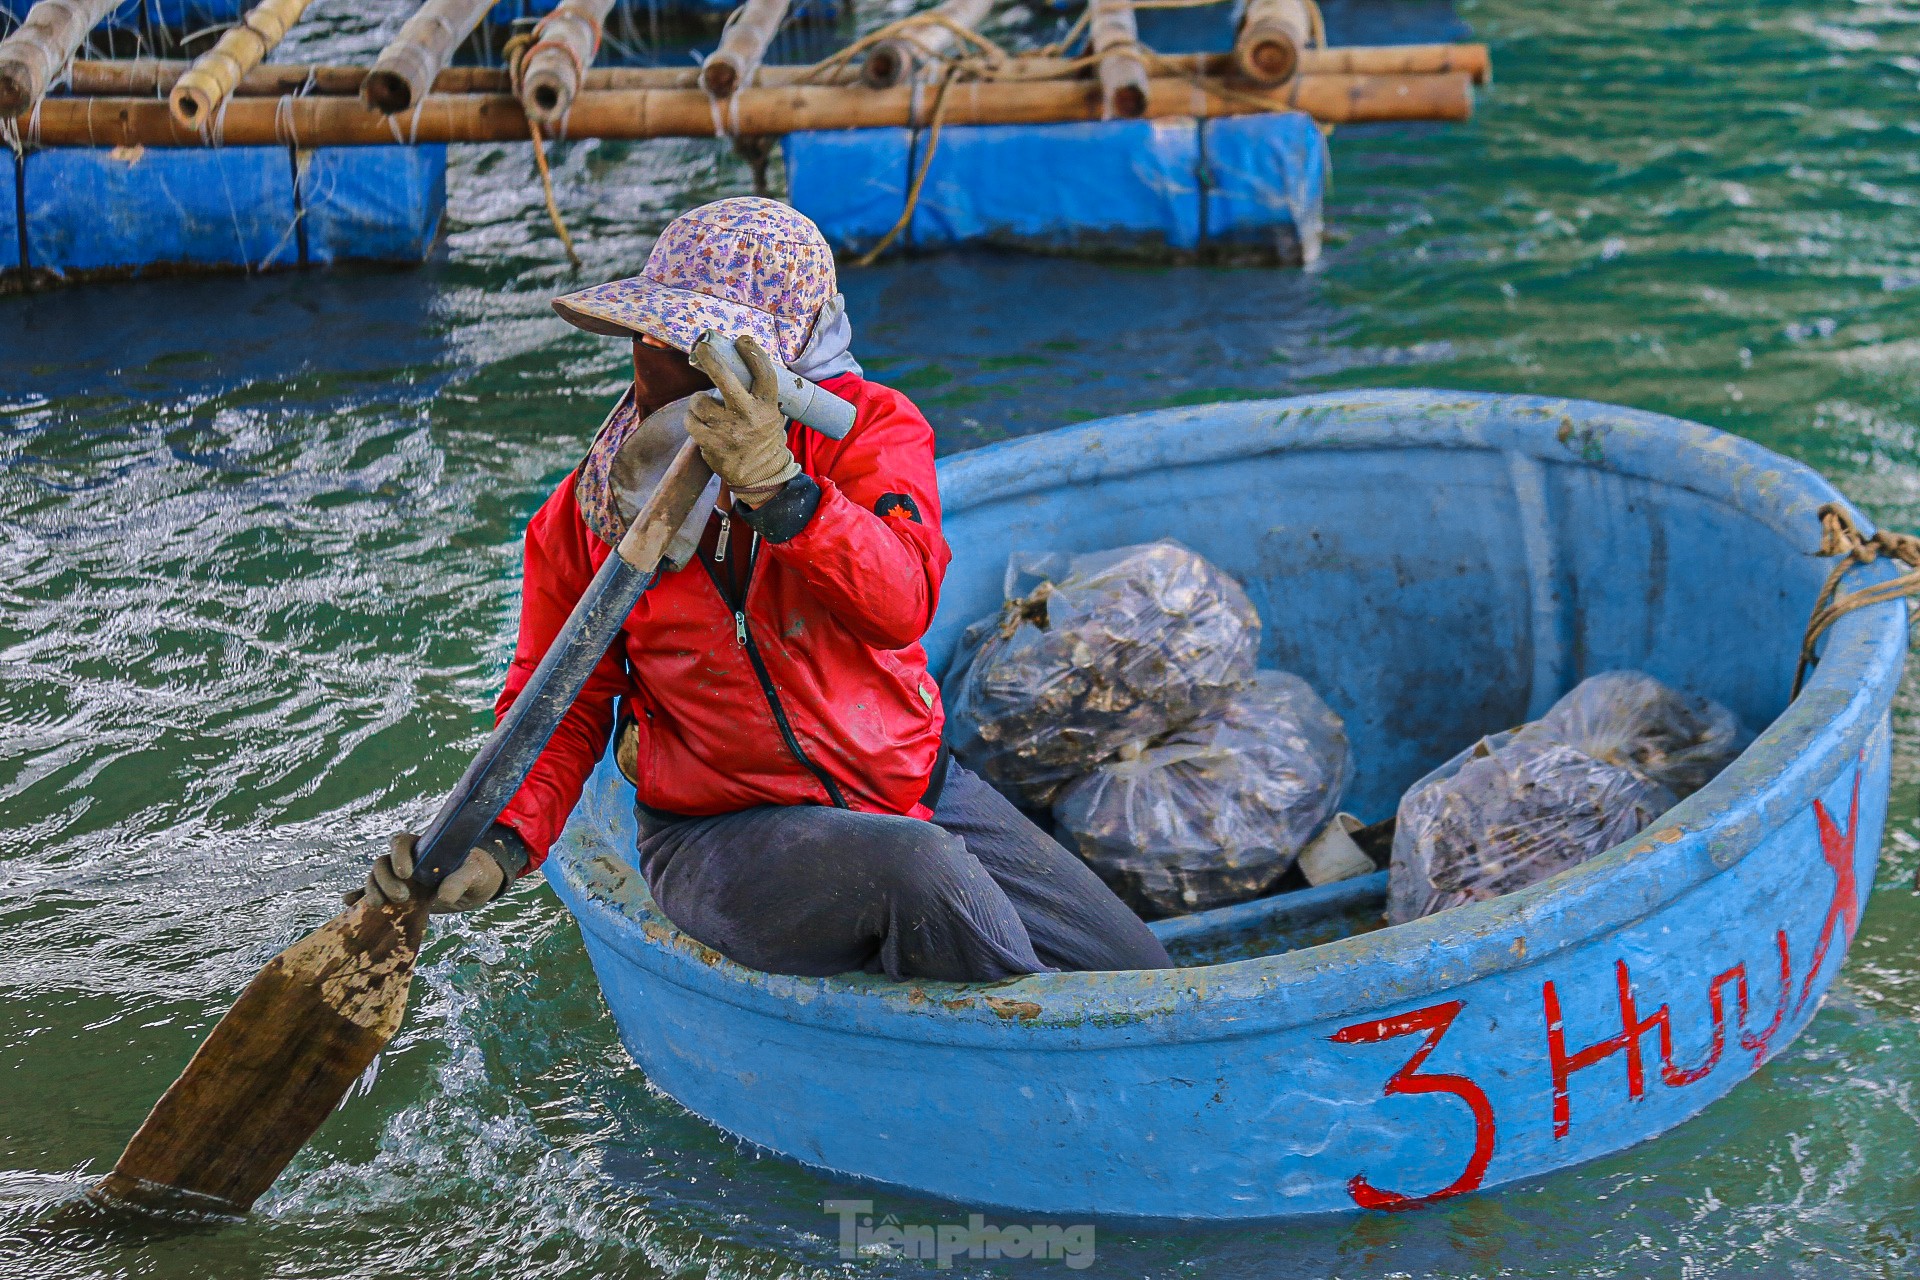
<point x="1840" y="536"/>
<point x="517" y="50"/>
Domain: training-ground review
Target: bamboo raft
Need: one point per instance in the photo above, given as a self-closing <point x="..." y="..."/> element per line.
<point x="231" y="159"/>
<point x="410" y="94"/>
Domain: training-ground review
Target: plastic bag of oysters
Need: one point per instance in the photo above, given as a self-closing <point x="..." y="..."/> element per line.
<point x="1092" y="653"/>
<point x="1600" y="767"/>
<point x="1215" y="813"/>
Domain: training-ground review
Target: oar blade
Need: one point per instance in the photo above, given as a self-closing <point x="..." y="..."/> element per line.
<point x="274" y="1067"/>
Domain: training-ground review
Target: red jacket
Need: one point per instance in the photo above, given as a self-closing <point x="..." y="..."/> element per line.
<point x="835" y="615"/>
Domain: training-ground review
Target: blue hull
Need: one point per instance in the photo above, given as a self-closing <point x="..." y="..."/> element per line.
<point x="1438" y="565"/>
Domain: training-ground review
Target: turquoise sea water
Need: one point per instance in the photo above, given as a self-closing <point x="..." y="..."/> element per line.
<point x="259" y="542"/>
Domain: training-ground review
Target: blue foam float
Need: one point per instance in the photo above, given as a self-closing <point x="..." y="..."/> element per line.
<point x="132" y="209"/>
<point x="1183" y="186"/>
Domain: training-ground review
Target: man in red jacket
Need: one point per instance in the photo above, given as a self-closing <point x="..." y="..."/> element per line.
<point x="771" y="702"/>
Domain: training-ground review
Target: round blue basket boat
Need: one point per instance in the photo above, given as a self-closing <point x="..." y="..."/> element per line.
<point x="1438" y="565"/>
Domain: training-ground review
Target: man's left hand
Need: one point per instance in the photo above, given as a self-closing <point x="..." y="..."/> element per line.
<point x="476" y="882"/>
<point x="743" y="435"/>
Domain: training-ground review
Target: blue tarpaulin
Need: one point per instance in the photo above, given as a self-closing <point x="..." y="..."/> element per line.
<point x="507" y="10"/>
<point x="248" y="208"/>
<point x="191" y="15"/>
<point x="174" y="15"/>
<point x="93" y="209"/>
<point x="9" y="224"/>
<point x="197" y="15"/>
<point x="852" y="182"/>
<point x="1262" y="172"/>
<point x="380" y="204"/>
<point x="1116" y="185"/>
<point x="1176" y="186"/>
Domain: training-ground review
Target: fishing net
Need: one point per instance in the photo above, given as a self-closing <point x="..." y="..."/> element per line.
<point x="1604" y="762"/>
<point x="1092" y="653"/>
<point x="1217" y="812"/>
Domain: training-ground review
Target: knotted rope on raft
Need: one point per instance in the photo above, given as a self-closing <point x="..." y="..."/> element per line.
<point x="984" y="49"/>
<point x="1840" y="536"/>
<point x="554" y="67"/>
<point x="517" y="50"/>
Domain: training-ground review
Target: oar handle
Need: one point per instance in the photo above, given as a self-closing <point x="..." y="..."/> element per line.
<point x="508" y="755"/>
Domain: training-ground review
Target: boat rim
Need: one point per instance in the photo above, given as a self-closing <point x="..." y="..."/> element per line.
<point x="1706" y="834"/>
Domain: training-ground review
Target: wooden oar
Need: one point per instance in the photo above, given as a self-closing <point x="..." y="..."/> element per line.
<point x="312" y="1021"/>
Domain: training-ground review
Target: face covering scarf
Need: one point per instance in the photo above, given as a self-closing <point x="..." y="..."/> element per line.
<point x="828" y="352"/>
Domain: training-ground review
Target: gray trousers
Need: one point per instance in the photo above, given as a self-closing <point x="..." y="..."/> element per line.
<point x="976" y="895"/>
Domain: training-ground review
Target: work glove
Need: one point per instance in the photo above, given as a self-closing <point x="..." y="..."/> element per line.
<point x="743" y="435"/>
<point x="484" y="876"/>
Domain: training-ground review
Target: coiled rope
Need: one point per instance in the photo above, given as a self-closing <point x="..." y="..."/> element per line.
<point x="1840" y="536"/>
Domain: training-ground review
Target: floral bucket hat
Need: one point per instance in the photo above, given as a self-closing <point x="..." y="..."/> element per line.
<point x="744" y="266"/>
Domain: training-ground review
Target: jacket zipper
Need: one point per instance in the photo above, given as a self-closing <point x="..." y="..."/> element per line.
<point x="744" y="638"/>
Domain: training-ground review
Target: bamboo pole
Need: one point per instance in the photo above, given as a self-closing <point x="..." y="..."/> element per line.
<point x="749" y="30"/>
<point x="405" y="70"/>
<point x="155" y="77"/>
<point x="145" y="77"/>
<point x="1400" y="60"/>
<point x="564" y="45"/>
<point x="889" y="61"/>
<point x="32" y="56"/>
<point x="1354" y="60"/>
<point x="1272" y="35"/>
<point x="682" y="113"/>
<point x="214" y="74"/>
<point x="1116" y="41"/>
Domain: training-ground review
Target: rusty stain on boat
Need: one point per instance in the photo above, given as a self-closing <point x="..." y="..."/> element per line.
<point x="1024" y="1010"/>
